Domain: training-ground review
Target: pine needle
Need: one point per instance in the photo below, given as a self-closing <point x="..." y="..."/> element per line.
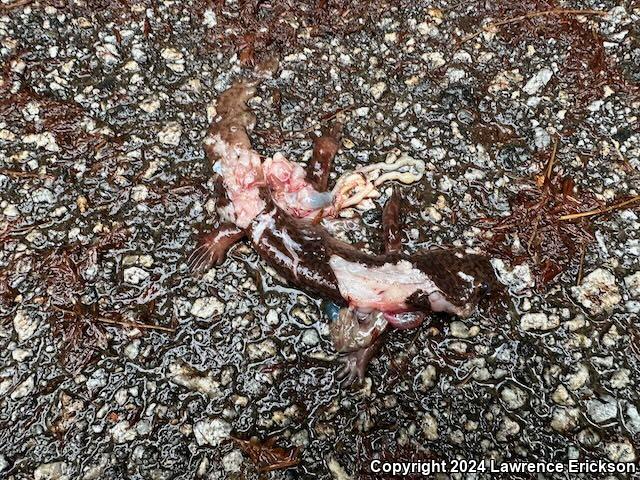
<point x="16" y="4"/>
<point x="137" y="325"/>
<point x="544" y="13"/>
<point x="581" y="268"/>
<point x="600" y="211"/>
<point x="552" y="161"/>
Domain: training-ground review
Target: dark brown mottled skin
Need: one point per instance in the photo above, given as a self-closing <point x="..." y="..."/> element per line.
<point x="325" y="149"/>
<point x="391" y="224"/>
<point x="289" y="237"/>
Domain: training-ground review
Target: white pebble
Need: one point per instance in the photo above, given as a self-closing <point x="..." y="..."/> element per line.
<point x="598" y="292"/>
<point x="430" y="427"/>
<point x="632" y="283"/>
<point x="539" y="321"/>
<point x="122" y="432"/>
<point x="210" y="19"/>
<point x="43" y="195"/>
<point x="377" y="90"/>
<point x="207" y="307"/>
<point x="24" y="389"/>
<point x="20" y="354"/>
<point x="174" y="58"/>
<point x="170" y="134"/>
<point x="211" y="431"/>
<point x="620" y="451"/>
<point x="135" y="275"/>
<point x="310" y="337"/>
<point x="139" y="193"/>
<point x="538" y="81"/>
<point x="149" y="105"/>
<point x="602" y="410"/>
<point x="232" y="461"/>
<point x="513" y="397"/>
<point x="51" y="471"/>
<point x="24" y="325"/>
<point x="578" y="379"/>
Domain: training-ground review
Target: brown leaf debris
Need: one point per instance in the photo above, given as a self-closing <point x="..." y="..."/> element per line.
<point x="266" y="456"/>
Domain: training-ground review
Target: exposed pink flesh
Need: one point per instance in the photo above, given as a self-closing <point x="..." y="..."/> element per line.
<point x="290" y="189"/>
<point x="284" y="175"/>
<point x="228" y="145"/>
<point x="243" y="173"/>
<point x="405" y="320"/>
<point x="242" y="176"/>
<point x="386" y="287"/>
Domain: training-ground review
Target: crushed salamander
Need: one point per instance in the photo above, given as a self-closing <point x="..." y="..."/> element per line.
<point x="276" y="205"/>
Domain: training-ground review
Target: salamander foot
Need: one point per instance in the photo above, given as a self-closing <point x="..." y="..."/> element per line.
<point x="355" y="365"/>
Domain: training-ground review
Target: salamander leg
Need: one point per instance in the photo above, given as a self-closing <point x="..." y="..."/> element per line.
<point x="358" y="334"/>
<point x="356" y="363"/>
<point x="325" y="148"/>
<point x="392" y="224"/>
<point x="213" y="246"/>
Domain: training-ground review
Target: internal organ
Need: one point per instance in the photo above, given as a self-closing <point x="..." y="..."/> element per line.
<point x="290" y="189"/>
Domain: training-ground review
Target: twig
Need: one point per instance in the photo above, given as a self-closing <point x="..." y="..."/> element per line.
<point x="466" y="378"/>
<point x="551" y="162"/>
<point x="12" y="232"/>
<point x="600" y="211"/>
<point x="137" y="325"/>
<point x="625" y="163"/>
<point x="544" y="13"/>
<point x="16" y="4"/>
<point x="18" y="174"/>
<point x="581" y="269"/>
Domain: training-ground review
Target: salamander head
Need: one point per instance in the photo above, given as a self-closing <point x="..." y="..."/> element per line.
<point x="353" y="330"/>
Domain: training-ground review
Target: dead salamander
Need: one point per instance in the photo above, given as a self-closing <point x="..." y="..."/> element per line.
<point x="277" y="210"/>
